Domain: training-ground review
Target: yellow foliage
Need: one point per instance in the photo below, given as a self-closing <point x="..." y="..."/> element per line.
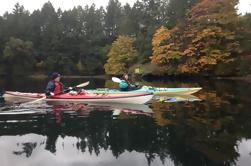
<point x="121" y="56"/>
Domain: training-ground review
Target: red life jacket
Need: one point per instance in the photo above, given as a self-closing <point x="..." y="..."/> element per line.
<point x="58" y="87"/>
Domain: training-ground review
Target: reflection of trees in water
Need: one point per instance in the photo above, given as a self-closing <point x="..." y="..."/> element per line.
<point x="98" y="131"/>
<point x="27" y="149"/>
<point x="210" y="129"/>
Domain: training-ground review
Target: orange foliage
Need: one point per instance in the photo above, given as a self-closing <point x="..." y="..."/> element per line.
<point x="207" y="38"/>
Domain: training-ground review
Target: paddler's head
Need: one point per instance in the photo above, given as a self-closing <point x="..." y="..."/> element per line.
<point x="55" y="76"/>
<point x="125" y="76"/>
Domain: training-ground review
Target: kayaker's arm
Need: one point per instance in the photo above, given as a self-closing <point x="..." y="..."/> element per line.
<point x="67" y="89"/>
<point x="132" y="86"/>
<point x="49" y="88"/>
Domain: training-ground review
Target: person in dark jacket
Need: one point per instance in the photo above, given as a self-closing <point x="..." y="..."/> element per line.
<point x="54" y="86"/>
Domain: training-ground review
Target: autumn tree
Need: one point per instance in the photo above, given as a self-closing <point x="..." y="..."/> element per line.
<point x="206" y="41"/>
<point x="121" y="56"/>
<point x="165" y="50"/>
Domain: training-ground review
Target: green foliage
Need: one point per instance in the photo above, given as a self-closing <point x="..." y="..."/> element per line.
<point x="177" y="10"/>
<point x="244" y="34"/>
<point x="112" y="18"/>
<point x="19" y="56"/>
<point x="60" y="62"/>
<point x="78" y="39"/>
<point x="121" y="56"/>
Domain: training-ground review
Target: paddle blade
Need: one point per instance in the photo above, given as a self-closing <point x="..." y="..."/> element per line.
<point x="83" y="84"/>
<point x="115" y="79"/>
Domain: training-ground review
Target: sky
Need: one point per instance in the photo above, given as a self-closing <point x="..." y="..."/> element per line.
<point x="31" y="5"/>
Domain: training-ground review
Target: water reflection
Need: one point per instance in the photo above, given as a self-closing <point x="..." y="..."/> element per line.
<point x="212" y="128"/>
<point x="96" y="133"/>
<point x="176" y="98"/>
<point x="67" y="153"/>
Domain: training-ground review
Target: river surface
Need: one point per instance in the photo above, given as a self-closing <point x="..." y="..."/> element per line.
<point x="213" y="127"/>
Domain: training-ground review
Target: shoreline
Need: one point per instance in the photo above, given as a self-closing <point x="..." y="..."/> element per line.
<point x="43" y="76"/>
<point x="246" y="78"/>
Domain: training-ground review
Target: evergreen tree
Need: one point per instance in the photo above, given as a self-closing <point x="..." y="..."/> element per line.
<point x="113" y="18"/>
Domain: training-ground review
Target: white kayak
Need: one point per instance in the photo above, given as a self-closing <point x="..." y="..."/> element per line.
<point x="154" y="90"/>
<point x="133" y="98"/>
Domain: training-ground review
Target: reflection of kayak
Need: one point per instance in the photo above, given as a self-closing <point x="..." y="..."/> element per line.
<point x="137" y="98"/>
<point x="81" y="108"/>
<point x="189" y="98"/>
<point x="20" y="112"/>
<point x="117" y="108"/>
<point x="154" y="90"/>
<point x="176" y="98"/>
<point x="123" y="107"/>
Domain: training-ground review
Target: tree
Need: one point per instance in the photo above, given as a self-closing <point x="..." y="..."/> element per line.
<point x="113" y="18"/>
<point x="166" y="52"/>
<point x="206" y="41"/>
<point x="19" y="56"/>
<point x="60" y="62"/>
<point x="48" y="28"/>
<point x="147" y="16"/>
<point x="15" y="24"/>
<point x="244" y="34"/>
<point x="92" y="57"/>
<point x="121" y="56"/>
<point x="176" y="11"/>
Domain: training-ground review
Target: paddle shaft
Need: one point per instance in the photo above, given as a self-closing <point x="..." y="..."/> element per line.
<point x="40" y="99"/>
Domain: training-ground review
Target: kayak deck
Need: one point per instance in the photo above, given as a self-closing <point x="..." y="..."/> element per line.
<point x="155" y="91"/>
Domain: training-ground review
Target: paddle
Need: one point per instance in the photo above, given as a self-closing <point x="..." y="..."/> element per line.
<point x="116" y="79"/>
<point x="78" y="86"/>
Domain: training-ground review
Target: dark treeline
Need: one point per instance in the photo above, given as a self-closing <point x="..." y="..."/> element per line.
<point x="77" y="41"/>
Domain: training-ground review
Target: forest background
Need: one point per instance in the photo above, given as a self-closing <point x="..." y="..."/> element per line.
<point x="150" y="37"/>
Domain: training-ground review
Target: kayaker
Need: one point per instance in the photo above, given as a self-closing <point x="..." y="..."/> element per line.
<point x="54" y="86"/>
<point x="125" y="84"/>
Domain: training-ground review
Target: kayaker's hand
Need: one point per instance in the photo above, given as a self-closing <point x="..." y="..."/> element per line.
<point x="52" y="94"/>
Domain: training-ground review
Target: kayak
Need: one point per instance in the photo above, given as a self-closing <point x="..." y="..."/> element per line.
<point x="154" y="90"/>
<point x="133" y="98"/>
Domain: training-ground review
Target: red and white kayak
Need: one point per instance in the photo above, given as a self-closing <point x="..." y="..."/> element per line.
<point x="133" y="98"/>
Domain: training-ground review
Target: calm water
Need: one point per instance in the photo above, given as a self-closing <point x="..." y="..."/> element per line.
<point x="176" y="131"/>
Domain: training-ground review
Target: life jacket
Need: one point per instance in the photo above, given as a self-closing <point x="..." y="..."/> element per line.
<point x="123" y="84"/>
<point x="58" y="87"/>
